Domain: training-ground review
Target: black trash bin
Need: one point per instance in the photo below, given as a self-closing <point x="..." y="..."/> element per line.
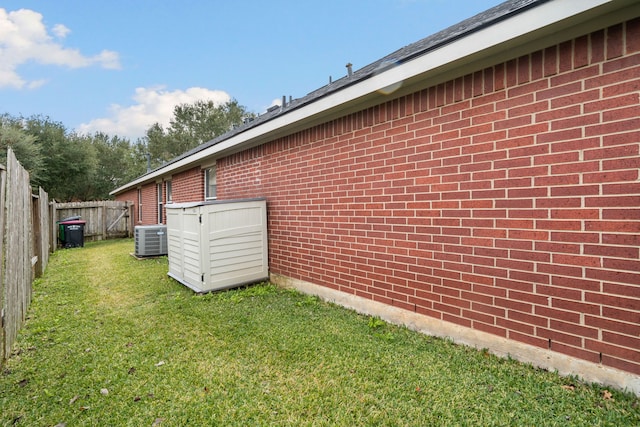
<point x="71" y="232"/>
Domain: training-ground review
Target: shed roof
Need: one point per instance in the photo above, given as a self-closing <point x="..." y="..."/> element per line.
<point x="338" y="92"/>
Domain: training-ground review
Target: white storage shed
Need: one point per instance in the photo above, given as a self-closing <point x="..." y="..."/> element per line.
<point x="217" y="245"/>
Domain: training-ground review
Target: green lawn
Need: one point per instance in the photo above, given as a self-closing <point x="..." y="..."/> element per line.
<point x="112" y="341"/>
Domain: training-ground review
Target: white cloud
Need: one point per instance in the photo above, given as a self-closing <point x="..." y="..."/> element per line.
<point x="24" y="38"/>
<point x="152" y="105"/>
<point x="60" y="31"/>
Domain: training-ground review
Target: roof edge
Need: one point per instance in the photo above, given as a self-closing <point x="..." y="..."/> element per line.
<point x="490" y="28"/>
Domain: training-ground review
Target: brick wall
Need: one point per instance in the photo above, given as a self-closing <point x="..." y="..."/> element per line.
<point x="506" y="200"/>
<point x="188" y="186"/>
<point x="149" y="205"/>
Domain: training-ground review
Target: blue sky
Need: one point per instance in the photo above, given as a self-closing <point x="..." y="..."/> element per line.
<point x="118" y="66"/>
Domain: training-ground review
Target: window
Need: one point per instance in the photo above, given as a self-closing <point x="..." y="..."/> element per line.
<point x="139" y="204"/>
<point x="210" y="187"/>
<point x="168" y="190"/>
<point x="159" y="191"/>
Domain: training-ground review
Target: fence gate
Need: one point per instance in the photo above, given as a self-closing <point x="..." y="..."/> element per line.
<point x="107" y="219"/>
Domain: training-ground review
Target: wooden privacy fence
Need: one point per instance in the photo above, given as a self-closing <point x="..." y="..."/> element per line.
<point x="24" y="247"/>
<point x="28" y="233"/>
<point x="106" y="219"/>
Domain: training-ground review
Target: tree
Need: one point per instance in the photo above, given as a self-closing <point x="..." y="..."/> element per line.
<point x="24" y="146"/>
<point x="190" y="126"/>
<point x="71" y="166"/>
<point x="157" y="144"/>
<point x="117" y="163"/>
<point x="72" y="169"/>
<point x="70" y="161"/>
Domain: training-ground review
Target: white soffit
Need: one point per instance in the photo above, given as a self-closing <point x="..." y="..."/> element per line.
<point x="515" y="27"/>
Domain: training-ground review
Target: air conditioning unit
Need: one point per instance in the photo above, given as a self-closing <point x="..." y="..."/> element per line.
<point x="150" y="240"/>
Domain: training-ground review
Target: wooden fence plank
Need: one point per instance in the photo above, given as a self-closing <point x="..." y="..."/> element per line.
<point x="3" y="323"/>
<point x="45" y="220"/>
<point x="28" y="230"/>
<point x="41" y="231"/>
<point x="36" y="261"/>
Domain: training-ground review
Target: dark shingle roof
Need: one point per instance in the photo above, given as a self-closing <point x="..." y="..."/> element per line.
<point x="421" y="47"/>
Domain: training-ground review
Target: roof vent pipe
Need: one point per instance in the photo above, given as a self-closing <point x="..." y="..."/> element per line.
<point x="284" y="101"/>
<point x="349" y="69"/>
<point x="148" y="162"/>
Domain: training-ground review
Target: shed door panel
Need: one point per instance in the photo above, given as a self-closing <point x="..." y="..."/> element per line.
<point x="192" y="269"/>
<point x="183" y="227"/>
<point x="236" y="238"/>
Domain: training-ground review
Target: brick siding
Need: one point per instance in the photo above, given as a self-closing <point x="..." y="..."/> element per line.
<point x="188" y="186"/>
<point x="506" y="200"/>
<point x="149" y="205"/>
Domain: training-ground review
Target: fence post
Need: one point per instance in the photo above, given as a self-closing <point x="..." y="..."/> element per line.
<point x="104" y="220"/>
<point x="36" y="234"/>
<point x="44" y="235"/>
<point x="53" y="238"/>
<point x="132" y="221"/>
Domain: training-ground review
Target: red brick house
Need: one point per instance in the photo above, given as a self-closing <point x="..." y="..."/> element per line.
<point x="481" y="184"/>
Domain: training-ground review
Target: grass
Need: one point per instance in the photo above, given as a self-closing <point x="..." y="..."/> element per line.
<point x="113" y="341"/>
